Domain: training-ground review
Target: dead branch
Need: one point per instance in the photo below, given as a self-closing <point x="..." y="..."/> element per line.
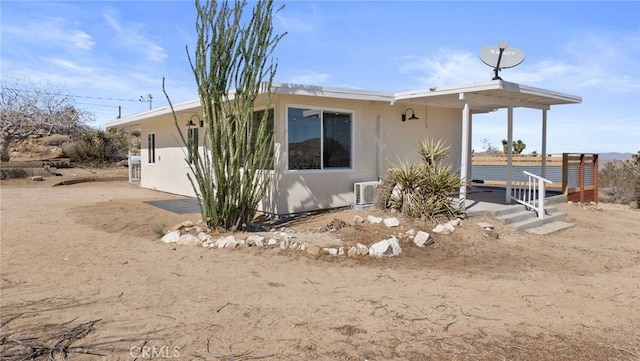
<point x="15" y="346"/>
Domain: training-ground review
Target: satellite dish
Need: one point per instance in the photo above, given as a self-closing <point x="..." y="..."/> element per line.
<point x="501" y="57"/>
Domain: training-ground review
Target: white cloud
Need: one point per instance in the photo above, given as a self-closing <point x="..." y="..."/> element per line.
<point x="69" y="65"/>
<point x="308" y="77"/>
<point x="296" y="23"/>
<point x="52" y="31"/>
<point x="132" y="37"/>
<point x="113" y="23"/>
<point x="445" y="68"/>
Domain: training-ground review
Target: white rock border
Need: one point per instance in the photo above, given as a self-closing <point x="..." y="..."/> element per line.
<point x="183" y="234"/>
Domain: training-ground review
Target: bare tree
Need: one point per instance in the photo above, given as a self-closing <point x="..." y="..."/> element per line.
<point x="31" y="109"/>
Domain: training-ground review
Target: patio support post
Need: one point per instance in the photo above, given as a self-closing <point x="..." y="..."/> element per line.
<point x="543" y="170"/>
<point x="464" y="155"/>
<point x="509" y="153"/>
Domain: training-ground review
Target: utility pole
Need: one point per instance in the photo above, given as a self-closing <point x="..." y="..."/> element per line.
<point x="146" y="99"/>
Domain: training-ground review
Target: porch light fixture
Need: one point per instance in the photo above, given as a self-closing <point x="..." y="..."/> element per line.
<point x="412" y="117"/>
<point x="191" y="123"/>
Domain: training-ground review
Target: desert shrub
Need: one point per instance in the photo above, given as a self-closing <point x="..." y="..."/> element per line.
<point x="425" y="190"/>
<point x="619" y="182"/>
<point x="99" y="146"/>
<point x="55" y="140"/>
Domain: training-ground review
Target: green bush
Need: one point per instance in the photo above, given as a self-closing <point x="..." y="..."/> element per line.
<point x="425" y="189"/>
<point x="99" y="146"/>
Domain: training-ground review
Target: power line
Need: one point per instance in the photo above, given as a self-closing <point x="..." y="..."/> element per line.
<point x="75" y="96"/>
<point x="100" y="105"/>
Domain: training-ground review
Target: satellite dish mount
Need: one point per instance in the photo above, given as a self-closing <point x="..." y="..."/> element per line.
<point x="501" y="57"/>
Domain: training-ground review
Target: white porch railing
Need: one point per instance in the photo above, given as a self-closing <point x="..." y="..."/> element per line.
<point x="530" y="193"/>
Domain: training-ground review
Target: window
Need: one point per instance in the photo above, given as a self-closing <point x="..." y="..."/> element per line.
<point x="258" y="117"/>
<point x="151" y="147"/>
<point x="192" y="144"/>
<point x="319" y="139"/>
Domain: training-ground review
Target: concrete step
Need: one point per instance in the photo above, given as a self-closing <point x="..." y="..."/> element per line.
<point x="550" y="227"/>
<point x="534" y="221"/>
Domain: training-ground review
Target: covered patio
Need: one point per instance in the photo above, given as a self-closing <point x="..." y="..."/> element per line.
<point x="484" y="97"/>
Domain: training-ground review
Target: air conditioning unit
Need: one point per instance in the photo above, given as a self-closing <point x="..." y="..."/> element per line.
<point x="365" y="192"/>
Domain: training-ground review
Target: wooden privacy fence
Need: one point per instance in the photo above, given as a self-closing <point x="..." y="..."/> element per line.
<point x="576" y="174"/>
<point x="580" y="177"/>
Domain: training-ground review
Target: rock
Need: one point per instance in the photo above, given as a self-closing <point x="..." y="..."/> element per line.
<point x="341" y="251"/>
<point x="205" y="237"/>
<point x="272" y="242"/>
<point x="188" y="223"/>
<point x="391" y="222"/>
<point x="353" y="251"/>
<point x="357" y="219"/>
<point x="313" y="250"/>
<point x="374" y="220"/>
<point x="226" y="242"/>
<point x="175" y="227"/>
<point x="171" y="237"/>
<point x="411" y="232"/>
<point x="491" y="233"/>
<point x="395" y="245"/>
<point x="443" y="229"/>
<point x="362" y="249"/>
<point x="332" y="251"/>
<point x="37" y="178"/>
<point x="385" y="248"/>
<point x="284" y="244"/>
<point x="188" y="240"/>
<point x="423" y="239"/>
<point x="455" y="222"/>
<point x="255" y="240"/>
<point x="485" y="225"/>
<point x="294" y="246"/>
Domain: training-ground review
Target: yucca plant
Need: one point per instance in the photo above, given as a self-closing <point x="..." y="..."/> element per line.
<point x="425" y="190"/>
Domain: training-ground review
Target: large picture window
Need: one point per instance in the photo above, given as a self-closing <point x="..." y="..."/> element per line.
<point x="319" y="139"/>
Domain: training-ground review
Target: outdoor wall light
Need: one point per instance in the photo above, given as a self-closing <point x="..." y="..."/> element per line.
<point x="191" y="123"/>
<point x="412" y="117"/>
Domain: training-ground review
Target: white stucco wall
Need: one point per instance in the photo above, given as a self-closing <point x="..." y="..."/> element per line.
<point x="169" y="173"/>
<point x="379" y="139"/>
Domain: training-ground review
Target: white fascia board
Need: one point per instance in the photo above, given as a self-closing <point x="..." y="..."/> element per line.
<point x="327" y="92"/>
<point x="488" y="85"/>
<point x="443" y="90"/>
<point x="149" y="114"/>
<point x="526" y="89"/>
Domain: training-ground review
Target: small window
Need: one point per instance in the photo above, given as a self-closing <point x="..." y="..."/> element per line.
<point x="151" y="146"/>
<point x="319" y="139"/>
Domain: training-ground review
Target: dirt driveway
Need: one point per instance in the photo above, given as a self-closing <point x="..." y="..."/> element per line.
<point x="72" y="255"/>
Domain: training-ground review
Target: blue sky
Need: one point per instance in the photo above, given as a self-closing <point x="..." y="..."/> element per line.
<point x="112" y="53"/>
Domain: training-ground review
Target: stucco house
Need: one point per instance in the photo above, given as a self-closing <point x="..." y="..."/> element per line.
<point x="328" y="139"/>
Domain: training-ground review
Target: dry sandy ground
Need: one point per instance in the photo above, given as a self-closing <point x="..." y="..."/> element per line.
<point x="86" y="252"/>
